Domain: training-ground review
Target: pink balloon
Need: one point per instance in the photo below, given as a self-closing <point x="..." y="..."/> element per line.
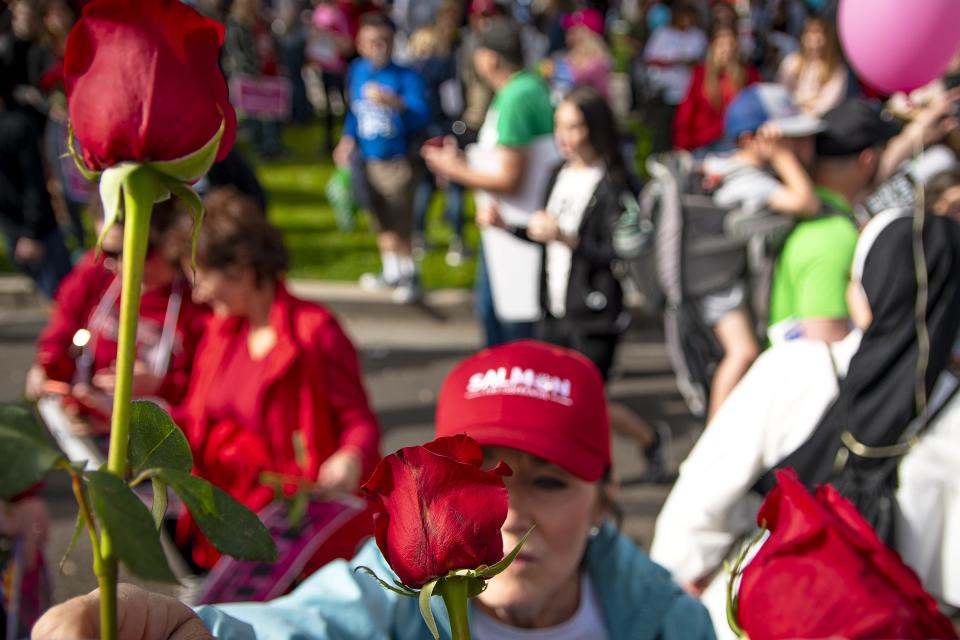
<point x="899" y="45"/>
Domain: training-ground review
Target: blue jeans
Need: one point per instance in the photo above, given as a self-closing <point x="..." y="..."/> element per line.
<point x="496" y="330"/>
<point x="452" y="208"/>
<point x="50" y="269"/>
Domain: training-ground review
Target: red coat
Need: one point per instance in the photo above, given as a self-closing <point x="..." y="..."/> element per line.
<point x="309" y="388"/>
<point x="698" y="121"/>
<point x="75" y="308"/>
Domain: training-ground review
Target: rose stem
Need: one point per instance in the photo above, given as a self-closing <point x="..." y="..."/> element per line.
<point x="139" y="191"/>
<point x="454" y="594"/>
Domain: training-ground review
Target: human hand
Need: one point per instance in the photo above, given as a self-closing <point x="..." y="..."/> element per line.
<point x="28" y="520"/>
<point x="382" y="95"/>
<point x="36" y="379"/>
<point x="145" y="383"/>
<point x="28" y="250"/>
<point x="441" y="159"/>
<point x="341" y="472"/>
<point x="85" y="424"/>
<point x="692" y="588"/>
<point x="489" y="216"/>
<point x="343" y="151"/>
<point x="768" y="141"/>
<point x="939" y="118"/>
<point x="141" y="615"/>
<point x="543" y="227"/>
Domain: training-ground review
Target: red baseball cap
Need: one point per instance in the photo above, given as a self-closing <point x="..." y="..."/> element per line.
<point x="538" y="398"/>
<point x="483" y="8"/>
<point x="589" y="18"/>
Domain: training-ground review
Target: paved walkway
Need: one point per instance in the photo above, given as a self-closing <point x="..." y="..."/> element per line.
<point x="405" y="352"/>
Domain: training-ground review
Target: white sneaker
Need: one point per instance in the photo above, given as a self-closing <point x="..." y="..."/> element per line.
<point x="375" y="282"/>
<point x="456" y="253"/>
<point x="408" y="291"/>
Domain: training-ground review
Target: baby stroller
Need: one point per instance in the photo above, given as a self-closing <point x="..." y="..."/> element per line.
<point x="703" y="249"/>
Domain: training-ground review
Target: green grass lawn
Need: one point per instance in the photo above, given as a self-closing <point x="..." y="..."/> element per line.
<point x="298" y="206"/>
<point x="318" y="249"/>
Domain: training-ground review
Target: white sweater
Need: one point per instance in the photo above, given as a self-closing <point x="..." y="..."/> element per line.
<point x="771" y="413"/>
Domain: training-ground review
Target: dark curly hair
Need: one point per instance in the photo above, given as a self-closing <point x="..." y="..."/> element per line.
<point x="236" y="233"/>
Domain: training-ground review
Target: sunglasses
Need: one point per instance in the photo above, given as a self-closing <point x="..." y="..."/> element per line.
<point x="116" y="254"/>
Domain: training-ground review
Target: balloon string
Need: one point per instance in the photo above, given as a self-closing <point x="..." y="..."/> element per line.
<point x="920" y="310"/>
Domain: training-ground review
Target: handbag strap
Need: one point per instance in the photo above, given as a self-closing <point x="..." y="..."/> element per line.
<point x="945" y="391"/>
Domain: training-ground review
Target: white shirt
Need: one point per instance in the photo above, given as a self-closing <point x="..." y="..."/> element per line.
<point x="770" y="413"/>
<point x="568" y="201"/>
<point x="586" y="623"/>
<point x="668" y="44"/>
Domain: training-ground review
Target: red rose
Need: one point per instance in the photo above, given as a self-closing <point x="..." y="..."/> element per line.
<point x="437" y="510"/>
<point x="143" y="83"/>
<point x="823" y="572"/>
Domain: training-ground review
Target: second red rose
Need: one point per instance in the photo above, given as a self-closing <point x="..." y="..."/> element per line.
<point x="438" y="510"/>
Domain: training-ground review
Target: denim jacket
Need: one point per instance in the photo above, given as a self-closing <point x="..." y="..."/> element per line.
<point x="639" y="599"/>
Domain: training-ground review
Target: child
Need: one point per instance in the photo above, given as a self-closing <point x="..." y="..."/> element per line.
<point x="431" y="58"/>
<point x="387" y="107"/>
<point x="769" y="134"/>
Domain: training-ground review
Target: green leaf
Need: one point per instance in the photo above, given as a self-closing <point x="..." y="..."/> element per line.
<point x="26" y="455"/>
<point x="77" y="531"/>
<point x="501" y="566"/>
<point x="193" y="166"/>
<point x="155" y="441"/>
<point x="191" y="199"/>
<point x="77" y="160"/>
<point x="298" y="510"/>
<point x="128" y="522"/>
<point x="425" y="594"/>
<point x="403" y="589"/>
<point x="232" y="528"/>
<point x="159" y="507"/>
<point x="111" y="185"/>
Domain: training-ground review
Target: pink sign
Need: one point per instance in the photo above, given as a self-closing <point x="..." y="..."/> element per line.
<point x="263" y="97"/>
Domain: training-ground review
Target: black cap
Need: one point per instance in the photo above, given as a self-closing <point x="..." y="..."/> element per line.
<point x="855" y="125"/>
<point x="503" y="36"/>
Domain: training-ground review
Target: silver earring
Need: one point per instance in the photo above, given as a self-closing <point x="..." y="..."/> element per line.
<point x="594" y="532"/>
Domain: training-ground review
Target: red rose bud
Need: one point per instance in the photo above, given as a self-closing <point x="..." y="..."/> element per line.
<point x="438" y="511"/>
<point x="823" y="572"/>
<point x="143" y="83"/>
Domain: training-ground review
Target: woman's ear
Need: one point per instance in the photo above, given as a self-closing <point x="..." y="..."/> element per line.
<point x="607" y="507"/>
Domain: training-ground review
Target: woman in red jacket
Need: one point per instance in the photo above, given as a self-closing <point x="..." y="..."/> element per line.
<point x="276" y="384"/>
<point x="699" y="121"/>
<point x="77" y="350"/>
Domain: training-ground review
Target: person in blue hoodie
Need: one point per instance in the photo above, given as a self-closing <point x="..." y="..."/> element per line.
<point x="539" y="408"/>
<point x="388" y="107"/>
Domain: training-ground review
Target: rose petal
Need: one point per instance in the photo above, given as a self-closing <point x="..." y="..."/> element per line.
<point x="143" y="82"/>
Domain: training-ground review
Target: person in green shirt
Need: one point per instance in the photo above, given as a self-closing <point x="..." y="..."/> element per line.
<point x="519" y="116"/>
<point x="860" y="149"/>
<point x="810" y="278"/>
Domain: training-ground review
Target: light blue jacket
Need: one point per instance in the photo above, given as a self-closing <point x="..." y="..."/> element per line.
<point x="640" y="602"/>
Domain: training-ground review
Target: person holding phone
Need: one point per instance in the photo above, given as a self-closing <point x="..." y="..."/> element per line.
<point x="77" y="350"/>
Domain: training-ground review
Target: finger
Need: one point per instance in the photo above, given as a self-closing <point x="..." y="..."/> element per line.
<point x="75" y="618"/>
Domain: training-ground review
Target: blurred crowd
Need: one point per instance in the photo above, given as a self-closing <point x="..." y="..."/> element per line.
<point x="719" y="160"/>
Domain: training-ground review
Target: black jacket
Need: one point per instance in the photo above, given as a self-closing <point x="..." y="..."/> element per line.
<point x="25" y="209"/>
<point x="594" y="303"/>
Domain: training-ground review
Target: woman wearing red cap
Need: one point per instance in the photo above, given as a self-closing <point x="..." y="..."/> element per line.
<point x="541" y="409"/>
